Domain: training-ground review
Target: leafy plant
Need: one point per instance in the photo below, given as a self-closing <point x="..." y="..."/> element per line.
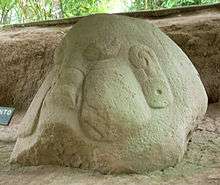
<point x="6" y="7"/>
<point x="177" y="3"/>
<point x="79" y="8"/>
<point x="157" y="4"/>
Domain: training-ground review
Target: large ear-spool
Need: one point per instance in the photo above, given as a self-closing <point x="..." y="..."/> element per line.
<point x="149" y="73"/>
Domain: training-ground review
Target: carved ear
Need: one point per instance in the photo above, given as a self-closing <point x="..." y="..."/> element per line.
<point x="148" y="72"/>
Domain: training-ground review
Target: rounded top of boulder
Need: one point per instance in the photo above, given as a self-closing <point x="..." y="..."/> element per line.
<point x="105" y="35"/>
<point x="122" y="97"/>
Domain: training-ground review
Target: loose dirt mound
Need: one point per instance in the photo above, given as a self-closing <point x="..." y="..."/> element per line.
<point x="26" y="57"/>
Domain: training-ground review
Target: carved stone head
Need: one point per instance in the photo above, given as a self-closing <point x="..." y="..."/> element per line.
<point x="122" y="97"/>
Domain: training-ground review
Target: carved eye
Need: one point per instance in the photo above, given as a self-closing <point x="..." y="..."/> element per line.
<point x="92" y="52"/>
<point x="148" y="72"/>
<point x="111" y="48"/>
<point x="100" y="51"/>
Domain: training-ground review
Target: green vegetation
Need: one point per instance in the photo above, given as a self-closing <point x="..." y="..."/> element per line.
<point x="78" y="8"/>
<point x="21" y="11"/>
<point x="176" y="3"/>
<point x="158" y="4"/>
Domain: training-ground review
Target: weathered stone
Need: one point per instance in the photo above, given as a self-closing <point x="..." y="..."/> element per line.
<point x="122" y="97"/>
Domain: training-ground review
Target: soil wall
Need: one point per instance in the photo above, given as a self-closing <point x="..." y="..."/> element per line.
<point x="26" y="51"/>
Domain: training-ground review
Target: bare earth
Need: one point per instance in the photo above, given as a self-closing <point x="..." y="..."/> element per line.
<point x="201" y="164"/>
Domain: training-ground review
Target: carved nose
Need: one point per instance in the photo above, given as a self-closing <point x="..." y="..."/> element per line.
<point x="113" y="99"/>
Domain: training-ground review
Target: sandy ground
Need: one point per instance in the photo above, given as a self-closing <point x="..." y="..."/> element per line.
<point x="200" y="166"/>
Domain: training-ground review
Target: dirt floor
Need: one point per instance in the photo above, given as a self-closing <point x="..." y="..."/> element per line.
<point x="200" y="166"/>
<point x="27" y="56"/>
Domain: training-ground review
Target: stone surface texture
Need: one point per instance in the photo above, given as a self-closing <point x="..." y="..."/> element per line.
<point x="121" y="97"/>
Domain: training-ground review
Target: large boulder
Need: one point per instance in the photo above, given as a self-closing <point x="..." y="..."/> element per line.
<point x="122" y="97"/>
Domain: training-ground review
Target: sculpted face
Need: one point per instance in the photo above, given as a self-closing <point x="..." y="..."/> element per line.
<point x="122" y="97"/>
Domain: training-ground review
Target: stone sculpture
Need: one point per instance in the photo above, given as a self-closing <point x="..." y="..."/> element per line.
<point x="122" y="98"/>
